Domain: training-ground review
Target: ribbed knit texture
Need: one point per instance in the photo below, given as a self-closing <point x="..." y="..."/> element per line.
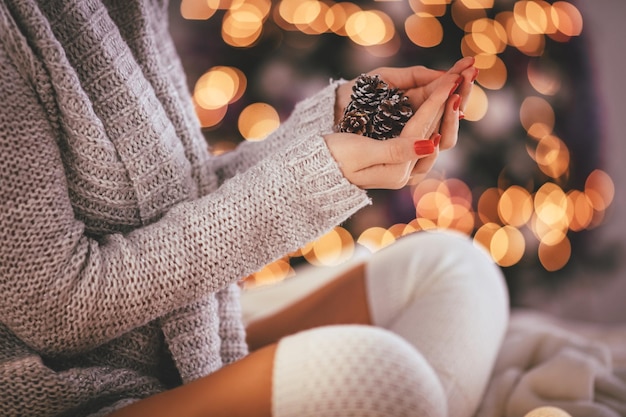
<point x="122" y="237"/>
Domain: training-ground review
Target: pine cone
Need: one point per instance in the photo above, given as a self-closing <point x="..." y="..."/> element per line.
<point x="355" y="121"/>
<point x="375" y="110"/>
<point x="367" y="93"/>
<point x="392" y="115"/>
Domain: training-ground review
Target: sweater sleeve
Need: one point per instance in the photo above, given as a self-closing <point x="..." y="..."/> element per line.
<point x="65" y="292"/>
<point x="314" y="115"/>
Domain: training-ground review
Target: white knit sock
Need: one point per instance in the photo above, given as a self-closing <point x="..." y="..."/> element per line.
<point x="448" y="299"/>
<point x="350" y="370"/>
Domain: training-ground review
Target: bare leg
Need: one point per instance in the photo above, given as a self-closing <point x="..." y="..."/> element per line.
<point x="340" y="301"/>
<point x="220" y="394"/>
<point x="345" y="300"/>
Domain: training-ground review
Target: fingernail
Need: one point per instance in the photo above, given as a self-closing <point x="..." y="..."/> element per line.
<point x="457" y="103"/>
<point x="436" y="139"/>
<point x="461" y="115"/>
<point x="476" y="71"/>
<point x="456" y="85"/>
<point x="424" y="147"/>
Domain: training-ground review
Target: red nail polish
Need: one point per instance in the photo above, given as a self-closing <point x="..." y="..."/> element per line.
<point x="457" y="103"/>
<point x="456" y="85"/>
<point x="436" y="139"/>
<point x="476" y="71"/>
<point x="424" y="147"/>
<point x="461" y="115"/>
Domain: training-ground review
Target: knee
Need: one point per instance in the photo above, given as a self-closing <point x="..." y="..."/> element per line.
<point x="468" y="268"/>
<point x="354" y="370"/>
<point x="451" y="261"/>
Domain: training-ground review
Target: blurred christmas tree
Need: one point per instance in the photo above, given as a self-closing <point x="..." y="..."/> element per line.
<point x="525" y="179"/>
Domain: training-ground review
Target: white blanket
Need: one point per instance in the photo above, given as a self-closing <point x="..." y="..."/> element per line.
<point x="544" y="361"/>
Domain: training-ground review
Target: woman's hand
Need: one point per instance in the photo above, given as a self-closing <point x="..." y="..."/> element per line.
<point x="370" y="163"/>
<point x="419" y="83"/>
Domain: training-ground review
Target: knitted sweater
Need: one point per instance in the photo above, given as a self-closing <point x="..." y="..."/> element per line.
<point x="122" y="236"/>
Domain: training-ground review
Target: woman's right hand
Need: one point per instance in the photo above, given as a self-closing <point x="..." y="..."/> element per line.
<point x="389" y="164"/>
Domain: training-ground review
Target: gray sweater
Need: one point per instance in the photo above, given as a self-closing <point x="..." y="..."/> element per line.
<point x="121" y="237"/>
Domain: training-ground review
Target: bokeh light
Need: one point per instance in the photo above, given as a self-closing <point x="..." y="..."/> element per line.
<point x="509" y="217"/>
<point x="334" y="248"/>
<point x="507" y="246"/>
<point x="376" y="238"/>
<point x="424" y="30"/>
<point x="477" y="104"/>
<point x="218" y="87"/>
<point x="196" y="10"/>
<point x="547" y="411"/>
<point x="544" y="80"/>
<point x="257" y="121"/>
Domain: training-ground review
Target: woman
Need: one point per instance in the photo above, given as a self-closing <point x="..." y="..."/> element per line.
<point x="123" y="240"/>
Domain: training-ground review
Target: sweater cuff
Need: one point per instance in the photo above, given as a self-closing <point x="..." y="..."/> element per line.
<point x="322" y="183"/>
<point x="317" y="113"/>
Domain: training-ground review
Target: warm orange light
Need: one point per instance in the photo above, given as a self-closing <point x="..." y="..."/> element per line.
<point x="531" y="17"/>
<point x="485" y="233"/>
<point x="257" y="121"/>
<point x="222" y="147"/>
<point x="547" y="411"/>
<point x="242" y="26"/>
<point x="209" y="117"/>
<point x="195" y="10"/>
<point x="515" y="206"/>
<point x="600" y="189"/>
<point x="494" y="77"/>
<point x="478" y="4"/>
<point x="488" y="205"/>
<point x="272" y="273"/>
<point x="334" y="248"/>
<point x="432" y="7"/>
<point x="555" y="257"/>
<point x="581" y="210"/>
<point x="507" y="246"/>
<point x="536" y="110"/>
<point x="317" y="21"/>
<point x="376" y="238"/>
<point x="370" y="27"/>
<point x="567" y="19"/>
<point x="552" y="156"/>
<point x="552" y="219"/>
<point x="477" y="104"/>
<point x="218" y="87"/>
<point x="430" y="204"/>
<point x="424" y="30"/>
<point x="488" y="36"/>
<point x="543" y="80"/>
<point x="224" y="4"/>
<point x="463" y="15"/>
<point x="338" y="14"/>
<point x="530" y="44"/>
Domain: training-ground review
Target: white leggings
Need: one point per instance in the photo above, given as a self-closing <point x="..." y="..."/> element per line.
<point x="440" y="310"/>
